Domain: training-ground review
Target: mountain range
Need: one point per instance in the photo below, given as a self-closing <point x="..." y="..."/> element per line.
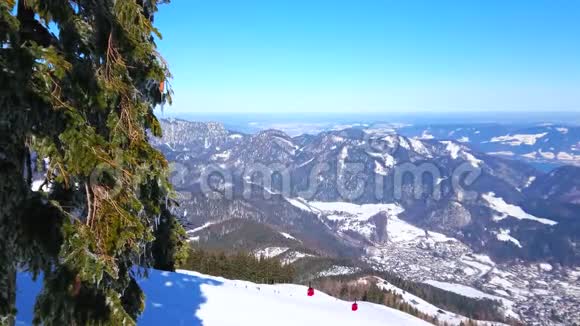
<point x="437" y="211"/>
<point x="509" y="210"/>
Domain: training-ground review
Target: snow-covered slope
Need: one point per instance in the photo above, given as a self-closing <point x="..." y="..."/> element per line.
<point x="430" y="309"/>
<point x="504" y="209"/>
<point x="190" y="298"/>
<point x="248" y="303"/>
<point x="475" y="293"/>
<point x="355" y="218"/>
<point x="534" y="142"/>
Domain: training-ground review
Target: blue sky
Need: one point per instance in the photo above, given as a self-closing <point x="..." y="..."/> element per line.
<point x="372" y="56"/>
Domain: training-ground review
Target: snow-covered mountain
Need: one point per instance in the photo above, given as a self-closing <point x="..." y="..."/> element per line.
<point x="500" y="204"/>
<point x="190" y="298"/>
<point x="490" y="235"/>
<point x="560" y="185"/>
<point x="537" y="143"/>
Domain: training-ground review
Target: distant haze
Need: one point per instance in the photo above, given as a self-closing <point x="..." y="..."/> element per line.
<point x="513" y="117"/>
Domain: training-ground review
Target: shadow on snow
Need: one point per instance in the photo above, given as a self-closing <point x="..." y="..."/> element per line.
<point x="171" y="298"/>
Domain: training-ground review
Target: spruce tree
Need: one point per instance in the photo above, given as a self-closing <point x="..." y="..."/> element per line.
<point x="79" y="81"/>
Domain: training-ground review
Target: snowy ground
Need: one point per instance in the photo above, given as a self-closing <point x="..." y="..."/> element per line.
<point x="428" y="308"/>
<point x="505" y="210"/>
<point x="190" y="298"/>
<point x="475" y="293"/>
<point x="351" y="217"/>
<point x="339" y="270"/>
<point x="462" y="289"/>
<point x="517" y="140"/>
<point x="270" y="252"/>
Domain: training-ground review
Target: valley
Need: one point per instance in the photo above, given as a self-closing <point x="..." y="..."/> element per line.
<point x="341" y="195"/>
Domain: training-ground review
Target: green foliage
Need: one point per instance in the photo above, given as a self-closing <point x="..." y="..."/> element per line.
<point x="243" y="235"/>
<point x="84" y="100"/>
<point x="240" y="266"/>
<point x="170" y="248"/>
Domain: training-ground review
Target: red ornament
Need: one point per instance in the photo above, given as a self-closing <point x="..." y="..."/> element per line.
<point x="310" y="292"/>
<point x="354" y="306"/>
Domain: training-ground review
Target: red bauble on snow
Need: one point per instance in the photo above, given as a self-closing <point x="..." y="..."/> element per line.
<point x="354" y="306"/>
<point x="310" y="292"/>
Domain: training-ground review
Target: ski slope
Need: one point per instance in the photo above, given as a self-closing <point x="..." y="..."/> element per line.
<point x="190" y="298"/>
